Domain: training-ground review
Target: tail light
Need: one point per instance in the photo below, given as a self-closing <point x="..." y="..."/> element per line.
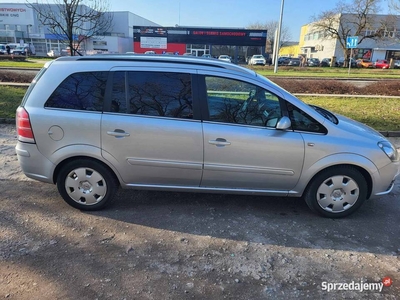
<point x="24" y="128"/>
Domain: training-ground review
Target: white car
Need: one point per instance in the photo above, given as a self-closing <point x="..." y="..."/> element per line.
<point x="257" y="60"/>
<point x="225" y="58"/>
<point x="53" y="53"/>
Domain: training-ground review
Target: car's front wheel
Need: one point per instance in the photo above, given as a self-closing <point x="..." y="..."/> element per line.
<point x="87" y="184"/>
<point x="336" y="192"/>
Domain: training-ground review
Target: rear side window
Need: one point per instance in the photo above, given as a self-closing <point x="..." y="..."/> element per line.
<point x="33" y="83"/>
<point x="80" y="91"/>
<point x="163" y="94"/>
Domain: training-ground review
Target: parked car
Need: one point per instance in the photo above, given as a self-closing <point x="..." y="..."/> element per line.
<point x="381" y="64"/>
<point x="340" y="62"/>
<point x="53" y="53"/>
<point x="257" y="60"/>
<point x="150" y="52"/>
<point x="21" y="51"/>
<point x="364" y="63"/>
<point x="325" y="62"/>
<point x="206" y="56"/>
<point x="225" y="58"/>
<point x="3" y="49"/>
<point x="396" y="64"/>
<point x="294" y="62"/>
<point x="283" y="60"/>
<point x="90" y="124"/>
<point x="313" y="62"/>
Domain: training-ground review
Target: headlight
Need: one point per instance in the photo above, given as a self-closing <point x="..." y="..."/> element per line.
<point x="389" y="150"/>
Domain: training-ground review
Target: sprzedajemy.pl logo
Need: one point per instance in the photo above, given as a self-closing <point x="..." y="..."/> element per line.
<point x="356" y="286"/>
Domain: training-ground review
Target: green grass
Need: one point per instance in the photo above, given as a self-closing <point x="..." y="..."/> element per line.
<point x="267" y="71"/>
<point x="379" y="113"/>
<point x="10" y="98"/>
<point x="28" y="63"/>
<point x="328" y="72"/>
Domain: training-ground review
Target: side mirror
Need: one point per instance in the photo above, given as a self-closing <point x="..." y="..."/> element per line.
<point x="283" y="123"/>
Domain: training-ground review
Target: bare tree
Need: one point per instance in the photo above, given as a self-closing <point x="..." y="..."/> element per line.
<point x="271" y="27"/>
<point x="394" y="5"/>
<point x="74" y="21"/>
<point x="357" y="18"/>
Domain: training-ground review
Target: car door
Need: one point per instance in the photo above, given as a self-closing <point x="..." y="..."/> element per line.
<point x="242" y="148"/>
<point x="149" y="133"/>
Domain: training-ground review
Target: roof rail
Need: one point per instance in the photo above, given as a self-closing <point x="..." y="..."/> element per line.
<point x="163" y="59"/>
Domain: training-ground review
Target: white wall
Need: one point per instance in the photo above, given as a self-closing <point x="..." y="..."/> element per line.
<point x="378" y="54"/>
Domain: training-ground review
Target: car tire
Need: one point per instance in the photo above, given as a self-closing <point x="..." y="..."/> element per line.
<point x="87" y="184"/>
<point x="336" y="192"/>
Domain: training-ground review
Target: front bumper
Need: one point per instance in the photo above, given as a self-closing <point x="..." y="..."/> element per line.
<point x="385" y="179"/>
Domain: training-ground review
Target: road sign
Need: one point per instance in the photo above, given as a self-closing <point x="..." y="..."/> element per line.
<point x="352" y="42"/>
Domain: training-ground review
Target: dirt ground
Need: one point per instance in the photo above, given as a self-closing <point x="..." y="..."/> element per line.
<point x="157" y="245"/>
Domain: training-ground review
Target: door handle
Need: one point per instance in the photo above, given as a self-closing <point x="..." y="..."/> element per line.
<point x="219" y="142"/>
<point x="118" y="133"/>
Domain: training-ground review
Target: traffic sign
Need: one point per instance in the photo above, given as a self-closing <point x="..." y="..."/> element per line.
<point x="352" y="42"/>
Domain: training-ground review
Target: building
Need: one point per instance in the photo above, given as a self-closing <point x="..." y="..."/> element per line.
<point x="196" y="41"/>
<point x="129" y="32"/>
<point x="19" y="24"/>
<point x="313" y="42"/>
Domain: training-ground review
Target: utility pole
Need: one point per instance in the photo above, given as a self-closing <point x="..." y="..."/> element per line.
<point x="278" y="39"/>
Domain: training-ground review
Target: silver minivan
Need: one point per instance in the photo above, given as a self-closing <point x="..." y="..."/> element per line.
<point x="179" y="123"/>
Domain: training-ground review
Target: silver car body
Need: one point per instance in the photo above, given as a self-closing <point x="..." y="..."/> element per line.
<point x="195" y="154"/>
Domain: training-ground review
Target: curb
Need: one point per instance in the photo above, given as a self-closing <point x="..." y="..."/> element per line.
<point x="384" y="133"/>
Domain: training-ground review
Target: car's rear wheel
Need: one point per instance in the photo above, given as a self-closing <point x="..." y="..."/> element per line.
<point x="336" y="192"/>
<point x="87" y="184"/>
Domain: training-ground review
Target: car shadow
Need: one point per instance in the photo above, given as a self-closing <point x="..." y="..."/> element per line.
<point x="257" y="219"/>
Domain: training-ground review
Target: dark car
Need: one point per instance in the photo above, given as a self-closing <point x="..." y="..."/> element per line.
<point x="313" y="62"/>
<point x="3" y="49"/>
<point x="21" y="51"/>
<point x="294" y="62"/>
<point x="340" y="62"/>
<point x="326" y="62"/>
<point x="283" y="61"/>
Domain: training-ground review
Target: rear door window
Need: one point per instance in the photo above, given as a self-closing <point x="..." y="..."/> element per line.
<point x="164" y="94"/>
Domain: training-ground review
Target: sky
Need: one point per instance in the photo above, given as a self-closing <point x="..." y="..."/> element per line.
<point x="228" y="13"/>
<point x="225" y="13"/>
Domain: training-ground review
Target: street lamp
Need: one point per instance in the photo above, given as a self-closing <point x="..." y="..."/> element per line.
<point x="278" y="38"/>
<point x="30" y="44"/>
<point x="28" y="28"/>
